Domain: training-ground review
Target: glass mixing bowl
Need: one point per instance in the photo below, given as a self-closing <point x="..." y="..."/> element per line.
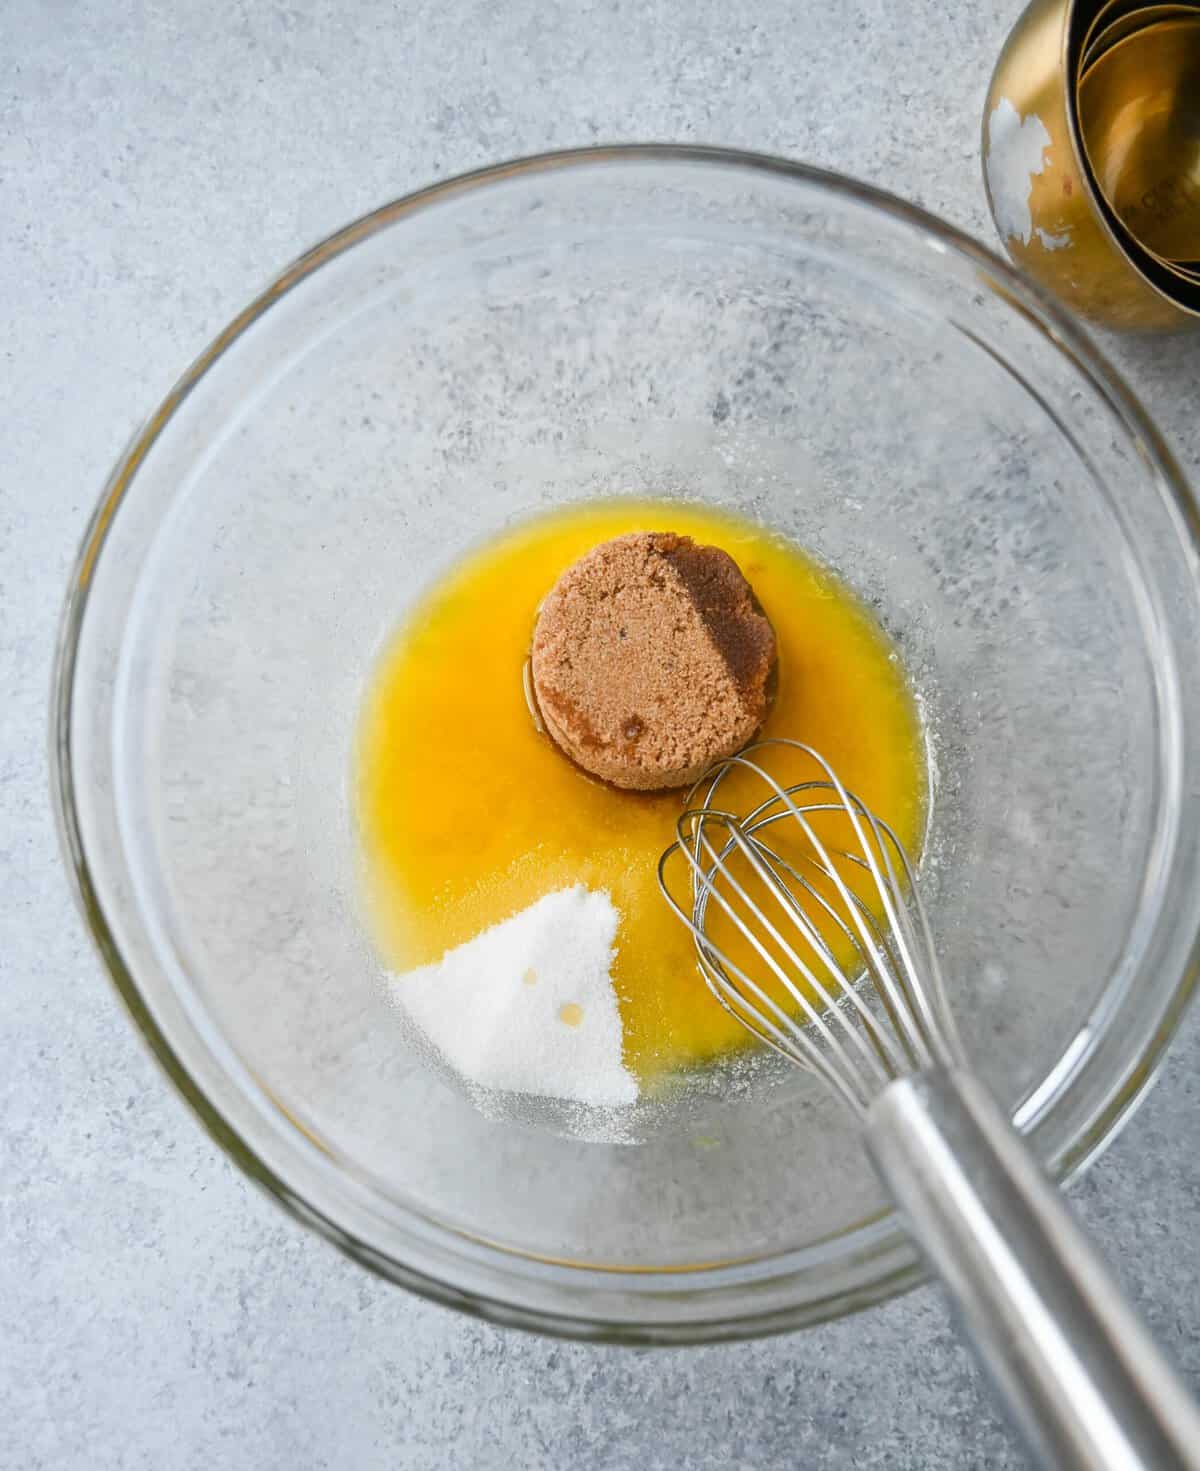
<point x="676" y="323"/>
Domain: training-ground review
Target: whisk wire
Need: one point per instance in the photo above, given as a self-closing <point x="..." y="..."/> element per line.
<point x="726" y="978"/>
<point x="825" y="1021"/>
<point x="882" y="973"/>
<point x="910" y="1034"/>
<point x="761" y="858"/>
<point x="887" y="1045"/>
<point x="720" y="965"/>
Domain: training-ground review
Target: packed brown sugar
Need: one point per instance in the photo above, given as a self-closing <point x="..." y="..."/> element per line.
<point x="651" y="660"/>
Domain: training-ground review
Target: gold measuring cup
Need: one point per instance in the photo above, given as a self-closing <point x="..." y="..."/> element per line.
<point x="1053" y="219"/>
<point x="1139" y="118"/>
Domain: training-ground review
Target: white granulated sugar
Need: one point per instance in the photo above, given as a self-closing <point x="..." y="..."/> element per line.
<point x="528" y="1006"/>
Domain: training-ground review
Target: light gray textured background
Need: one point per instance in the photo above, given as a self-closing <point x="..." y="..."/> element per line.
<point x="158" y="161"/>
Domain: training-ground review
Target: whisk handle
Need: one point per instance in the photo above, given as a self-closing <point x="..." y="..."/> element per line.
<point x="1084" y="1380"/>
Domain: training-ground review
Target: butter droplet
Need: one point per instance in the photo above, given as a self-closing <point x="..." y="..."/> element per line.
<point x="571" y="1014"/>
<point x="530" y="977"/>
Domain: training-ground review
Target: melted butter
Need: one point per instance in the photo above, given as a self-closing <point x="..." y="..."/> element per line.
<point x="468" y="814"/>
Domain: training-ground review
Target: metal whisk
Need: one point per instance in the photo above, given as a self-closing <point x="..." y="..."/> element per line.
<point x="820" y="946"/>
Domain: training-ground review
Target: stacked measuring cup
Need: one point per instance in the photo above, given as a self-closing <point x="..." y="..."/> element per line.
<point x="1092" y="156"/>
<point x="1138" y="99"/>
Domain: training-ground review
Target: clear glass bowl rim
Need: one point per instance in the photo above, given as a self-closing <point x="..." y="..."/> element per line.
<point x="881" y="1249"/>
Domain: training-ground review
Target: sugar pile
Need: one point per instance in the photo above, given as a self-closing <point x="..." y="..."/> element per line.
<point x="528" y="1005"/>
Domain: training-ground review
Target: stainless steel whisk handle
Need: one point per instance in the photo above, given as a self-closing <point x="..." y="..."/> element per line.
<point x="1080" y="1373"/>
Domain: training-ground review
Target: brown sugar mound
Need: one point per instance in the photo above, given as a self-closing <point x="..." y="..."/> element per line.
<point x="651" y="660"/>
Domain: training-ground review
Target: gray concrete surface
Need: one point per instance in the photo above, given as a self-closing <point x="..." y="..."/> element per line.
<point x="157" y="162"/>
